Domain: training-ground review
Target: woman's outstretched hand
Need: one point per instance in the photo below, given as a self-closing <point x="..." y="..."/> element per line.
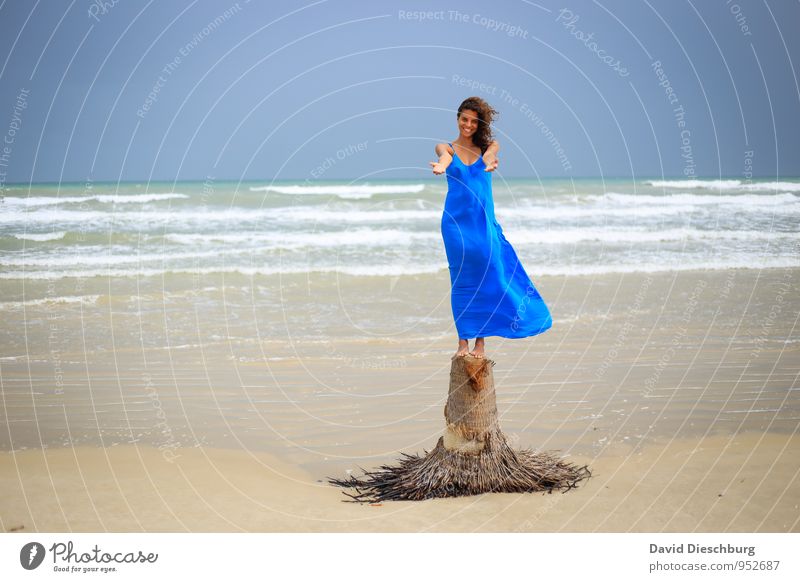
<point x="438" y="167"/>
<point x="490" y="161"/>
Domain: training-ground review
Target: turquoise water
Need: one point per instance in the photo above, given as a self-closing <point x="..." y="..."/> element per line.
<point x="57" y="232"/>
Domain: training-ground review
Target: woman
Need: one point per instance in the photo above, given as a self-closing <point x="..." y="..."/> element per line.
<point x="491" y="294"/>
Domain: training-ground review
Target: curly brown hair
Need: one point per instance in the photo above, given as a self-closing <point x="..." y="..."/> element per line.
<point x="486" y="114"/>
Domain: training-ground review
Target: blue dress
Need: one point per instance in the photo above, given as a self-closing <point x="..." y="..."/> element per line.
<point x="491" y="294"/>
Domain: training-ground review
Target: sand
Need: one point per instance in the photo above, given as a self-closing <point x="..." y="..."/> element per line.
<point x="746" y="483"/>
<point x="679" y="390"/>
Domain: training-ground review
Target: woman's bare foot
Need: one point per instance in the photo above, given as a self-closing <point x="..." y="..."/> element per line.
<point x="477" y="351"/>
<point x="463" y="348"/>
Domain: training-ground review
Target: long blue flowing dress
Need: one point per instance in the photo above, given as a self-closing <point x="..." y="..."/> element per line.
<point x="491" y="294"/>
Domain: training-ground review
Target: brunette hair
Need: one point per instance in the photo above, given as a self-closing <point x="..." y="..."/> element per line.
<point x="483" y="135"/>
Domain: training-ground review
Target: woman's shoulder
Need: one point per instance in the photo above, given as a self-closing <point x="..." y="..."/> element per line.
<point x="443" y="147"/>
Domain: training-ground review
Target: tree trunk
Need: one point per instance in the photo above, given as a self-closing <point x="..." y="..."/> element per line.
<point x="471" y="409"/>
<point x="472" y="456"/>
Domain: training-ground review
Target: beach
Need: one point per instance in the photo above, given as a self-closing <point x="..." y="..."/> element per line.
<point x="239" y="245"/>
<point x="210" y="412"/>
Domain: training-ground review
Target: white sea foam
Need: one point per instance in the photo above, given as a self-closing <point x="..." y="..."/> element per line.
<point x="220" y="217"/>
<point x="531" y="212"/>
<point x="757" y="200"/>
<point x="353" y="216"/>
<point x="34" y="201"/>
<point x="366" y="238"/>
<point x="660" y="266"/>
<point x="226" y="218"/>
<point x="136" y="219"/>
<point x="348" y="191"/>
<point x="112" y="257"/>
<point x="256" y="246"/>
<point x="385" y="270"/>
<point x="287" y="240"/>
<point x="632" y="235"/>
<point x="41" y="237"/>
<point x="151" y="272"/>
<point x="89" y="299"/>
<point x="727" y="185"/>
<point x="96" y="256"/>
<point x="375" y="270"/>
<point x="242" y="217"/>
<point x="569" y="212"/>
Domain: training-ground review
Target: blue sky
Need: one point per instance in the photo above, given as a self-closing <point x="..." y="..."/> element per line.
<point x="362" y="91"/>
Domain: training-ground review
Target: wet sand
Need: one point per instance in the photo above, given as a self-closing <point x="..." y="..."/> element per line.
<point x="679" y="390"/>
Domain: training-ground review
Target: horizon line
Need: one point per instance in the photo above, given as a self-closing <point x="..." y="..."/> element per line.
<point x="353" y="180"/>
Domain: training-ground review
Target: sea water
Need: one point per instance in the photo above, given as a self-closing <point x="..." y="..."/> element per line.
<point x="128" y="296"/>
<point x="579" y="227"/>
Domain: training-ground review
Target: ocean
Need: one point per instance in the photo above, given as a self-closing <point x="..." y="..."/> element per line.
<point x="581" y="227"/>
<point x="285" y="242"/>
<point x="238" y="311"/>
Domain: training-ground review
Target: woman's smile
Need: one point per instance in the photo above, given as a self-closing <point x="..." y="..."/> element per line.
<point x="468" y="122"/>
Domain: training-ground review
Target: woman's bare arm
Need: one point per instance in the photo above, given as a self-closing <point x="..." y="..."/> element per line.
<point x="444" y="159"/>
<point x="490" y="156"/>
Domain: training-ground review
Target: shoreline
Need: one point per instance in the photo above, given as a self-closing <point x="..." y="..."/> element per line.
<point x="641" y="375"/>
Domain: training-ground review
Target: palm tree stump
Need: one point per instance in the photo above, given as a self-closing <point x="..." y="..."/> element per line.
<point x="472" y="456"/>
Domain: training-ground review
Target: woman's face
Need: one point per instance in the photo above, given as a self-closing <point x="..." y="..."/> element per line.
<point x="468" y="122"/>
